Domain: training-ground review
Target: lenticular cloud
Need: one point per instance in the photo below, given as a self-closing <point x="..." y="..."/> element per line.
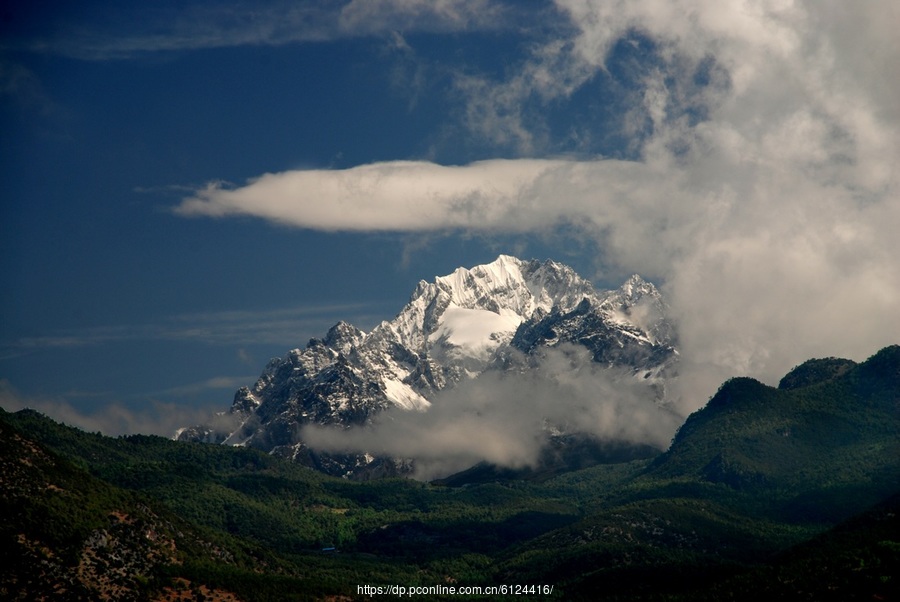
<point x="394" y="196"/>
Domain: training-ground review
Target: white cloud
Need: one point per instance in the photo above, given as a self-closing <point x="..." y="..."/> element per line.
<point x="771" y="218"/>
<point x="113" y="419"/>
<point x="502" y="419"/>
<point x="400" y="196"/>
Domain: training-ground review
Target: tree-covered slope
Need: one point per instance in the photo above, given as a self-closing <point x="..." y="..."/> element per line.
<point x="68" y="535"/>
<point x="748" y="480"/>
<point x="825" y="442"/>
<point x="754" y="473"/>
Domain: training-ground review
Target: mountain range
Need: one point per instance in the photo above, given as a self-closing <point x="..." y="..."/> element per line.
<point x="501" y="317"/>
<point x="779" y="493"/>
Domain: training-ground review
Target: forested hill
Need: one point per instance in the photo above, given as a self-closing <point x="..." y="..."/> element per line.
<point x="780" y="493"/>
<point x="829" y="431"/>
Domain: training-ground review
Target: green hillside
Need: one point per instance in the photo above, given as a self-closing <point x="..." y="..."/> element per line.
<point x="755" y="472"/>
<point x="817" y="452"/>
<point x="746" y="499"/>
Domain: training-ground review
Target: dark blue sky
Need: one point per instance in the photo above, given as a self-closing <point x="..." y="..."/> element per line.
<point x="662" y="148"/>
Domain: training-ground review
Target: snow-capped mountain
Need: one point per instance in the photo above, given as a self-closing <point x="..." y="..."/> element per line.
<point x="489" y="317"/>
<point x="624" y="328"/>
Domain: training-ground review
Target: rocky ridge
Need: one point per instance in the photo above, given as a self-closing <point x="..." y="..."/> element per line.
<point x="498" y="316"/>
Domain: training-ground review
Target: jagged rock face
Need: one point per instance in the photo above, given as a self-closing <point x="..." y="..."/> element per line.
<point x="451" y="329"/>
<point x="627" y="328"/>
<point x="454" y="326"/>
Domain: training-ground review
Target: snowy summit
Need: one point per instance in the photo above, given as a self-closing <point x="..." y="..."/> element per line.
<point x="453" y="328"/>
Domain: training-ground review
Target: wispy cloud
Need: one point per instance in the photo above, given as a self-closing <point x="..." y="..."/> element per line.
<point x="283" y="326"/>
<point x="20" y="85"/>
<point x="129" y="31"/>
<point x="382" y="16"/>
<point x="126" y="31"/>
<point x="504" y="420"/>
<point x="230" y="383"/>
<point x="766" y="196"/>
<point x="113" y="419"/>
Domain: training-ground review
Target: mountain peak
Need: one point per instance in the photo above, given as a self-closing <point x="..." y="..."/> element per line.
<point x="343" y="336"/>
<point x="815" y="371"/>
<point x="468" y="286"/>
<point x="503" y="263"/>
<point x="636" y="287"/>
<point x="481" y="307"/>
<point x="453" y="329"/>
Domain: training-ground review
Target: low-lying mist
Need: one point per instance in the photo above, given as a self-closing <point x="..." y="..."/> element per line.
<point x="506" y="418"/>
